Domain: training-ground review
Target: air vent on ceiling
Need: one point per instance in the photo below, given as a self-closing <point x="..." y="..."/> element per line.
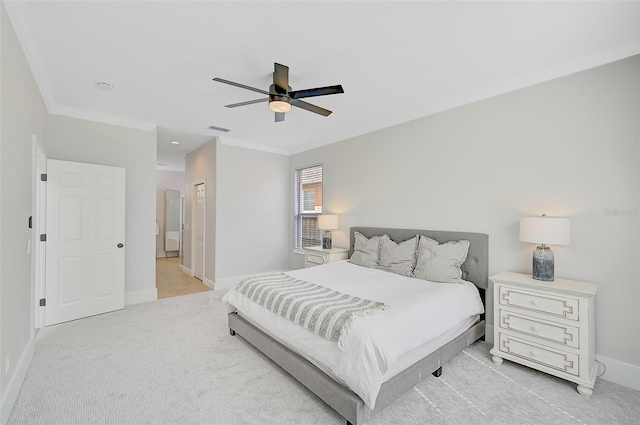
<point x="213" y="127"/>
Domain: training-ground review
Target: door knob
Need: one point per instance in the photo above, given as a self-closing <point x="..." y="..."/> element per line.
<point x="120" y="245"/>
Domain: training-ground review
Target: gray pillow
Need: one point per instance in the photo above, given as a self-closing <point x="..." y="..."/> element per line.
<point x="398" y="258"/>
<point x="440" y="262"/>
<point x="366" y="252"/>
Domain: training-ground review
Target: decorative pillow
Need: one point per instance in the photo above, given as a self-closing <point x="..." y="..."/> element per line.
<point x="440" y="262"/>
<point x="398" y="258"/>
<point x="366" y="252"/>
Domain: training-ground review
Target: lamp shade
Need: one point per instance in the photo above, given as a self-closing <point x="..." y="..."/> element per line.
<point x="545" y="230"/>
<point x="328" y="222"/>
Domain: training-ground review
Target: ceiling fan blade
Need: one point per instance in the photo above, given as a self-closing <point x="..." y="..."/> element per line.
<point x="279" y="116"/>
<point x="309" y="107"/>
<point x="318" y="91"/>
<point x="248" y="102"/>
<point x="281" y="77"/>
<point x="242" y="86"/>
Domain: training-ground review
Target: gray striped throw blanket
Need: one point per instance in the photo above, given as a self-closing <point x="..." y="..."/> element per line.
<point x="318" y="309"/>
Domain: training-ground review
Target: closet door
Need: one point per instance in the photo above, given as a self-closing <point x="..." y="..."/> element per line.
<point x="84" y="241"/>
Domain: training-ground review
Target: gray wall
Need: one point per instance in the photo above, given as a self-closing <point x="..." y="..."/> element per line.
<point x="72" y="139"/>
<point x="200" y="166"/>
<point x="568" y="147"/>
<point x="252" y="215"/>
<point x="165" y="180"/>
<point x="22" y="116"/>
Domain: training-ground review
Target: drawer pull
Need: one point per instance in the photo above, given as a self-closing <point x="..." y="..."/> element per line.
<point x="534" y="302"/>
<point x="535" y="328"/>
<point x="534" y="353"/>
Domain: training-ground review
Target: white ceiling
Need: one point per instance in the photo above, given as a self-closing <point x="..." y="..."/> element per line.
<point x="397" y="61"/>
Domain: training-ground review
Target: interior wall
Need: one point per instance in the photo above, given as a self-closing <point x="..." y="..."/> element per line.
<point x="568" y="147"/>
<point x="165" y="180"/>
<point x="72" y="139"/>
<point x="200" y="166"/>
<point x="22" y="115"/>
<point x="252" y="213"/>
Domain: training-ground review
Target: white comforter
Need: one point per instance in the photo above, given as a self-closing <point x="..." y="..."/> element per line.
<point x="420" y="311"/>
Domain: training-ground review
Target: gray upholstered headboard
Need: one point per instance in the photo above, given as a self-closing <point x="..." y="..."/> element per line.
<point x="475" y="269"/>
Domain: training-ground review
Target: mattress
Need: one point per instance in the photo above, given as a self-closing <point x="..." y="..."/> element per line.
<point x="422" y="316"/>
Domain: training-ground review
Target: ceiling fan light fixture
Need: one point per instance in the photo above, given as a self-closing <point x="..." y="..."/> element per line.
<point x="279" y="104"/>
<point x="281" y="97"/>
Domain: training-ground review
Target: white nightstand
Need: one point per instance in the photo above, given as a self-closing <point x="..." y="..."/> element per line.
<point x="548" y="326"/>
<point x="316" y="255"/>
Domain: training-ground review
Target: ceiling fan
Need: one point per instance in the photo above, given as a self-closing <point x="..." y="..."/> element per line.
<point x="280" y="96"/>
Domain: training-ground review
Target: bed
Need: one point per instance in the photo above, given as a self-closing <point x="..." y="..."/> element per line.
<point x="319" y="365"/>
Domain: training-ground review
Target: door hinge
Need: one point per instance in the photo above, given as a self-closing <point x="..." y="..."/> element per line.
<point x="43" y="177"/>
<point x="43" y="237"/>
<point x="43" y="302"/>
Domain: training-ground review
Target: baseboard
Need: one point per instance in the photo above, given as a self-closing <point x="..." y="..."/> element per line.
<point x="15" y="383"/>
<point x="186" y="270"/>
<point x="143" y="296"/>
<point x="210" y="283"/>
<point x="161" y="254"/>
<point x="621" y="373"/>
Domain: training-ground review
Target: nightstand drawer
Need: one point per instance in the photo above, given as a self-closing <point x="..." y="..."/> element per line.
<point x="317" y="256"/>
<point x="563" y="361"/>
<point x="549" y="304"/>
<point x="556" y="332"/>
<point x="314" y="259"/>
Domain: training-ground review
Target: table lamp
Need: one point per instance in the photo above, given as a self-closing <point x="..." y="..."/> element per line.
<point x="544" y="230"/>
<point x="327" y="223"/>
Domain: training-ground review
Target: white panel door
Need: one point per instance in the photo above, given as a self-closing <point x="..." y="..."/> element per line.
<point x="85" y="240"/>
<point x="199" y="231"/>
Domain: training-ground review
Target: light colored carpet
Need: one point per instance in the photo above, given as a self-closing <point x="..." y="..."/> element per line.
<point x="173" y="361"/>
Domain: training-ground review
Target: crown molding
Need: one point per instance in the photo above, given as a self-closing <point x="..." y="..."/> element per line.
<point x="19" y="18"/>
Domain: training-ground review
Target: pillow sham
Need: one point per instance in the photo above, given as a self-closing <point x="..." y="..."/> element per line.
<point x="440" y="262"/>
<point x="366" y="251"/>
<point x="399" y="258"/>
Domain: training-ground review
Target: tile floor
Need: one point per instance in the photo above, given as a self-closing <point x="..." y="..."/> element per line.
<point x="172" y="282"/>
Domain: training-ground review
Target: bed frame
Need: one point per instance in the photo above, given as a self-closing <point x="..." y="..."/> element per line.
<point x="341" y="399"/>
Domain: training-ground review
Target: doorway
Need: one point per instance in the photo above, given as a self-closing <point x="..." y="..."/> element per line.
<point x="171" y="281"/>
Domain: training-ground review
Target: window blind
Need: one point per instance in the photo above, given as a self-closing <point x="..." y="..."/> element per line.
<point x="307" y="205"/>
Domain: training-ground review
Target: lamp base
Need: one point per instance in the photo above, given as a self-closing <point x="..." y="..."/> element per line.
<point x="326" y="239"/>
<point x="543" y="264"/>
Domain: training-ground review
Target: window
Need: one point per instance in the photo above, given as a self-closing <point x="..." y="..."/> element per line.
<point x="307" y="205"/>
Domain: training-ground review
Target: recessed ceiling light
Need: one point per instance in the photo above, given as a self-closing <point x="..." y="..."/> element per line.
<point x="174" y="142"/>
<point x="105" y="86"/>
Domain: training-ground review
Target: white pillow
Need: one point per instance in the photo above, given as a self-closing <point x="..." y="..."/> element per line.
<point x="398" y="258"/>
<point x="366" y="251"/>
<point x="440" y="262"/>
